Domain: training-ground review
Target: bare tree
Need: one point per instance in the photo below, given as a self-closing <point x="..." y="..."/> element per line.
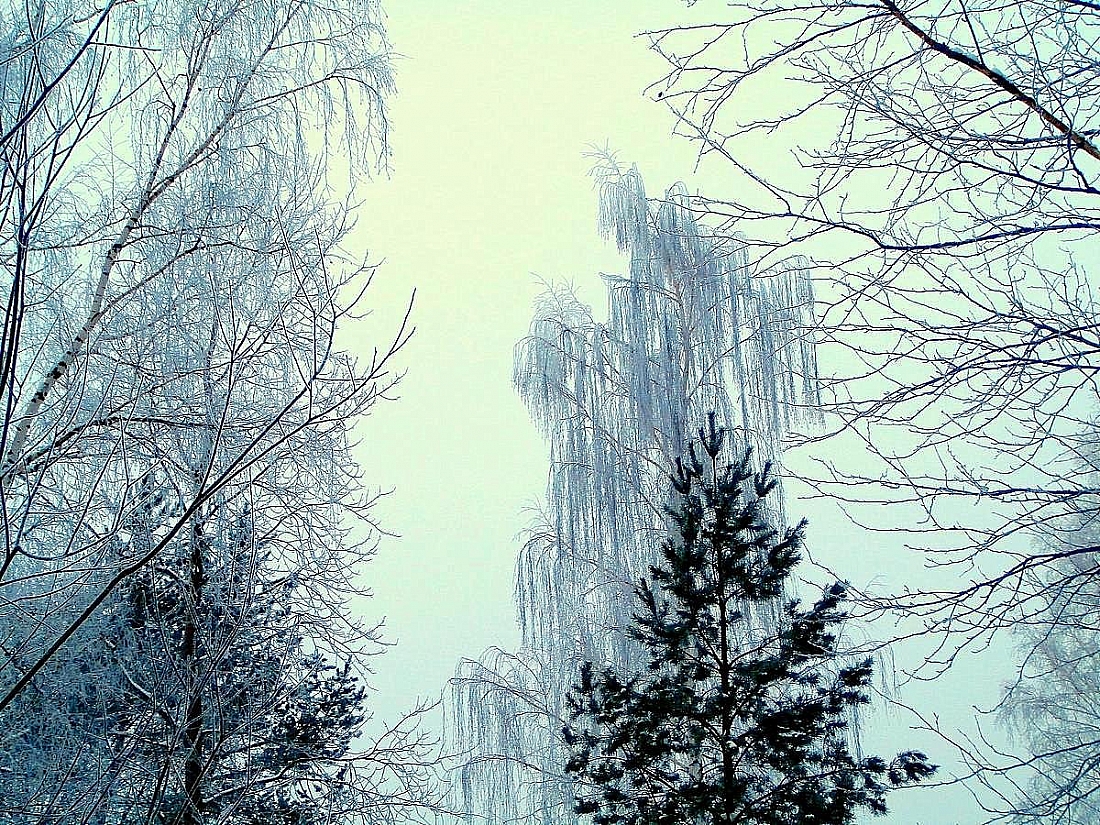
<point x="940" y="174"/>
<point x="171" y="220"/>
<point x="1052" y="706"/>
<point x="953" y="307"/>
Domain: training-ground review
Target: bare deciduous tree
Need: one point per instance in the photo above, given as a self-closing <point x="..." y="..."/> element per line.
<point x="941" y="175"/>
<point x="960" y="175"/>
<point x="172" y="208"/>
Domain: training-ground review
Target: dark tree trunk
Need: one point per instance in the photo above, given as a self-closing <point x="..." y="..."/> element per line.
<point x="193" y="733"/>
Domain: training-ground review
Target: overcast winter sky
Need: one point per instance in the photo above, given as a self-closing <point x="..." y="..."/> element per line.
<point x="498" y="102"/>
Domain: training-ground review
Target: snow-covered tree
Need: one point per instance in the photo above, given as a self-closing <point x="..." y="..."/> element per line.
<point x="203" y="692"/>
<point x="171" y="228"/>
<point x="944" y="182"/>
<point x="1052" y="705"/>
<point x="943" y="173"/>
<point x="690" y="329"/>
<point x="230" y="713"/>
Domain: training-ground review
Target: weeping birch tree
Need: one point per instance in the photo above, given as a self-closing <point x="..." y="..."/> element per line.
<point x="690" y="329"/>
<point x="176" y="185"/>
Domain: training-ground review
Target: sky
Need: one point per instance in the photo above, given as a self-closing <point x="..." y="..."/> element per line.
<point x="498" y="104"/>
<point x="498" y="107"/>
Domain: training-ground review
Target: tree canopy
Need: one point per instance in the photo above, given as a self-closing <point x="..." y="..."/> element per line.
<point x="177" y="483"/>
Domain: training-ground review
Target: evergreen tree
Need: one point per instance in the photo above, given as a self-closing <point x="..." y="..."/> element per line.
<point x="730" y="722"/>
<point x="201" y="694"/>
<point x="232" y="715"/>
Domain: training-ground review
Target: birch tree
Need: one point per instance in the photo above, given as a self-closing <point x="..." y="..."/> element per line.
<point x="942" y="182"/>
<point x="176" y="181"/>
<point x="688" y="330"/>
<point x="941" y="177"/>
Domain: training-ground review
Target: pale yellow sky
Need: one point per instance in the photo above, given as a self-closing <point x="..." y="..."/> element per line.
<point x="497" y="104"/>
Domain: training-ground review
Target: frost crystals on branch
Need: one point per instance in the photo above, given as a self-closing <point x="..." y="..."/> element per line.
<point x="690" y="329"/>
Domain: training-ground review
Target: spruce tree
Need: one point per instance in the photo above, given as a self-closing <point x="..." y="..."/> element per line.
<point x="729" y="722"/>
